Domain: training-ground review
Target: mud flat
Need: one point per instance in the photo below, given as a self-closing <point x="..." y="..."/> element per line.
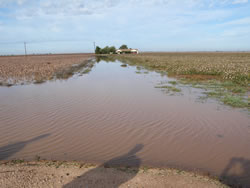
<point x="38" y="68"/>
<point x="69" y="175"/>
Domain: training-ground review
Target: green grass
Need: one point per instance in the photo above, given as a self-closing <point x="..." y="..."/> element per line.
<point x="138" y="68"/>
<point x="234" y="101"/>
<point x="229" y="93"/>
<point x="173" y="82"/>
<point x="86" y="71"/>
<point x="169" y="88"/>
<point x="17" y="161"/>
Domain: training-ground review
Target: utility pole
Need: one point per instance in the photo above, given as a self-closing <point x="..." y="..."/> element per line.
<point x="94" y="47"/>
<point x="25" y="48"/>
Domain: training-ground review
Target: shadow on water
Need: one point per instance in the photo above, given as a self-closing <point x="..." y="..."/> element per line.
<point x="98" y="177"/>
<point x="242" y="178"/>
<point x="11" y="149"/>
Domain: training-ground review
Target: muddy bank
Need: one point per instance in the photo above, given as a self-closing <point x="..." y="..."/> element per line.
<point x="39" y="68"/>
<point x="74" y="174"/>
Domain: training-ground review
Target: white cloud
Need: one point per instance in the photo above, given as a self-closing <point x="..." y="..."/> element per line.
<point x="242" y="21"/>
<point x="239" y="1"/>
<point x="111" y="22"/>
<point x="236" y="32"/>
<point x="7" y="2"/>
<point x="29" y="8"/>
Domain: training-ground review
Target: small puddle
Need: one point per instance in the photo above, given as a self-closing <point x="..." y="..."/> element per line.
<point x="103" y="114"/>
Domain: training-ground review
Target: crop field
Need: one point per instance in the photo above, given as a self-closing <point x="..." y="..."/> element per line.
<point x="38" y="68"/>
<point x="225" y="76"/>
<point x="233" y="67"/>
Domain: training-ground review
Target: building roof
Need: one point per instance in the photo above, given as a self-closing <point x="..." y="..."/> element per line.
<point x="126" y="50"/>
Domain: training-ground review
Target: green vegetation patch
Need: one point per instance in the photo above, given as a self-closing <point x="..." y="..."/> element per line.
<point x="173" y="82"/>
<point x="234" y="101"/>
<point x="169" y="88"/>
<point x="227" y="92"/>
<point x="86" y="71"/>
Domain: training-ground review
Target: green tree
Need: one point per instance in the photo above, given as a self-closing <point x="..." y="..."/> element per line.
<point x="105" y="50"/>
<point x="112" y="49"/>
<point x="124" y="46"/>
<point x="98" y="50"/>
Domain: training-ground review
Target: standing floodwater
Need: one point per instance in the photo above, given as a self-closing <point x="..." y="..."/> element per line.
<point x="103" y="114"/>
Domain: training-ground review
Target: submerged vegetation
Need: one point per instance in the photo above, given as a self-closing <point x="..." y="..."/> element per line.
<point x="227" y="92"/>
<point x="168" y="88"/>
<point x="123" y="65"/>
<point x="224" y="76"/>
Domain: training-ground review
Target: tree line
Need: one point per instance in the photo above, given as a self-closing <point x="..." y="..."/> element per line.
<point x="109" y="50"/>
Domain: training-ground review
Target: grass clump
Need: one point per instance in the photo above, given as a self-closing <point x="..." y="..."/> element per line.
<point x="86" y="71"/>
<point x="123" y="65"/>
<point x="17" y="161"/>
<point x="228" y="92"/>
<point x="138" y="68"/>
<point x="39" y="81"/>
<point x="37" y="158"/>
<point x="234" y="101"/>
<point x="169" y="88"/>
<point x="173" y="82"/>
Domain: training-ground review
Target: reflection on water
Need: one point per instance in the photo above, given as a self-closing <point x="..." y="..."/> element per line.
<point x="105" y="113"/>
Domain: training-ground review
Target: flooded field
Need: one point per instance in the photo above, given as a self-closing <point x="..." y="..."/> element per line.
<point x="114" y="108"/>
<point x="16" y="70"/>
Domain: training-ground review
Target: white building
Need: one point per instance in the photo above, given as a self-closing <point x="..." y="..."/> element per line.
<point x="127" y="51"/>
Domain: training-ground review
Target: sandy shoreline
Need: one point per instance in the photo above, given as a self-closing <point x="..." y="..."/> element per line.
<point x="75" y="174"/>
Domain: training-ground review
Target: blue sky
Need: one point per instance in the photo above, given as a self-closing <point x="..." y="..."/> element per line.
<point x="58" y="26"/>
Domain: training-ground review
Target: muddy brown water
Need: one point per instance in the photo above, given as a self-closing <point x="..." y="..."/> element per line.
<point x="105" y="113"/>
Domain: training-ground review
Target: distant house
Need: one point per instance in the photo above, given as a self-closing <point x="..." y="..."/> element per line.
<point x="127" y="51"/>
